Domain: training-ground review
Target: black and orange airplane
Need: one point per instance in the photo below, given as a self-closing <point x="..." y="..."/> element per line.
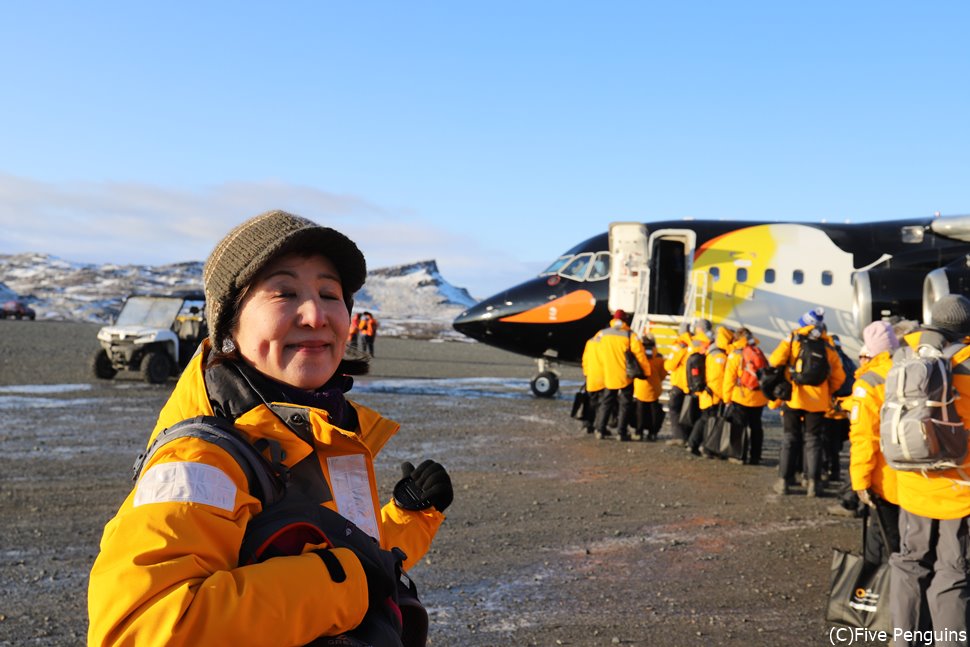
<point x="763" y="275"/>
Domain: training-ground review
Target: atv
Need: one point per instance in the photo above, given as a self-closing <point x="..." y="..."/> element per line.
<point x="155" y="335"/>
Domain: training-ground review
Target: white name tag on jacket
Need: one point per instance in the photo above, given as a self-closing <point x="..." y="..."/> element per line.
<point x="186" y="483"/>
<point x="351" y="491"/>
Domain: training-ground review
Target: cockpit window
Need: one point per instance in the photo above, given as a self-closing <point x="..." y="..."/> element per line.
<point x="556" y="265"/>
<point x="576" y="268"/>
<point x="601" y="267"/>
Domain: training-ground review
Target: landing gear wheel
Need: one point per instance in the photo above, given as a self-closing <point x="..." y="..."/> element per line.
<point x="545" y="384"/>
<point x="156" y="367"/>
<point x="101" y="365"/>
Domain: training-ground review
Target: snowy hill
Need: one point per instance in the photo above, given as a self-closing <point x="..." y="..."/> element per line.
<point x="408" y="300"/>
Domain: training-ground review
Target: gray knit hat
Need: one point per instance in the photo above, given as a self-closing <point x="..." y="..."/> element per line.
<point x="246" y="250"/>
<point x="952" y="313"/>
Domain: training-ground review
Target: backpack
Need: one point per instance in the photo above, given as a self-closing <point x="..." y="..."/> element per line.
<point x="696" y="366"/>
<point x="849" y="367"/>
<point x="633" y="368"/>
<point x="752" y="361"/>
<point x="919" y="428"/>
<point x="773" y="384"/>
<point x="289" y="520"/>
<point x="811" y="367"/>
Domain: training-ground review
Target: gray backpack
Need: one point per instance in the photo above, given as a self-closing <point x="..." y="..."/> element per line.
<point x="919" y="428"/>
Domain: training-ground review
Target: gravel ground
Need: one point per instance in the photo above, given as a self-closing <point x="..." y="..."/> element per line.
<point x="554" y="538"/>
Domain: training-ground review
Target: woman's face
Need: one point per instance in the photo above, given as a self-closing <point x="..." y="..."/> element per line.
<point x="293" y="322"/>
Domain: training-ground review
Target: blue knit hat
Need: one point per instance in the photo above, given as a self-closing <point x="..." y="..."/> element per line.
<point x="813" y="317"/>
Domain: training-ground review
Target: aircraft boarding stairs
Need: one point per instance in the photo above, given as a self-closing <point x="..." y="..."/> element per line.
<point x="698" y="304"/>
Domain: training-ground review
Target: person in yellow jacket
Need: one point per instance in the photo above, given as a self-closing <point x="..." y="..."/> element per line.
<point x="646" y="393"/>
<point x="930" y="570"/>
<point x="872" y="479"/>
<point x="279" y="290"/>
<point x="611" y="346"/>
<point x="594" y="385"/>
<point x="741" y="390"/>
<point x="803" y="416"/>
<point x="677" y="370"/>
<point x="710" y="397"/>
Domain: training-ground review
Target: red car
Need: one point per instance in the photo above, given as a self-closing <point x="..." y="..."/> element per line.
<point x="17" y="310"/>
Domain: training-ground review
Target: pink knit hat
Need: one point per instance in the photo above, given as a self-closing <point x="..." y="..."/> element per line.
<point x="879" y="337"/>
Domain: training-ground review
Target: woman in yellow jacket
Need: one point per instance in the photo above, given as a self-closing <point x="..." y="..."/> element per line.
<point x="279" y="289"/>
<point x="709" y="399"/>
<point x="742" y="391"/>
<point x="803" y="416"/>
<point x="611" y="345"/>
<point x="872" y="479"/>
<point x="594" y="385"/>
<point x="930" y="570"/>
<point x="646" y="393"/>
<point x="676" y="369"/>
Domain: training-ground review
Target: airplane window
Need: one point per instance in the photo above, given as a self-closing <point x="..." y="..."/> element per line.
<point x="826" y="278"/>
<point x="576" y="269"/>
<point x="556" y="265"/>
<point x="741" y="275"/>
<point x="798" y="277"/>
<point x="715" y="273"/>
<point x="601" y="267"/>
<point x="769" y="276"/>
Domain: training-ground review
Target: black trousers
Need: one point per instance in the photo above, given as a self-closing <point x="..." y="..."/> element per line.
<point x="836" y="432"/>
<point x="589" y="413"/>
<point x="700" y="426"/>
<point x="649" y="417"/>
<point x="803" y="429"/>
<point x="886" y="514"/>
<point x="750" y="417"/>
<point x="623" y="398"/>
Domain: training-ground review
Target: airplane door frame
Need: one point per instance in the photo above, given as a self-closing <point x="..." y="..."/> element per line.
<point x="689" y="238"/>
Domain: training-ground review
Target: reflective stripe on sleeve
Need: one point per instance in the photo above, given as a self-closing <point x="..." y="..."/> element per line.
<point x="186" y="483"/>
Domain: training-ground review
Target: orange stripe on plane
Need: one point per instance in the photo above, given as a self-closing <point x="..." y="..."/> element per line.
<point x="570" y="307"/>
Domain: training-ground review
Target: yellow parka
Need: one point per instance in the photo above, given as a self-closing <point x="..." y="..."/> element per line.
<point x="944" y="494"/>
<point x="592" y="367"/>
<point x="713" y="365"/>
<point x="167" y="573"/>
<point x="611" y="346"/>
<point x="674" y="365"/>
<point x="733" y="389"/>
<point x="648" y="390"/>
<point x="867" y="467"/>
<point x="805" y="397"/>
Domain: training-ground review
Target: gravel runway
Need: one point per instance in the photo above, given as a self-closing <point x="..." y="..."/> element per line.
<point x="554" y="538"/>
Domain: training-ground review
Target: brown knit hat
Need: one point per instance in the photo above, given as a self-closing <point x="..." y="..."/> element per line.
<point x="246" y="250"/>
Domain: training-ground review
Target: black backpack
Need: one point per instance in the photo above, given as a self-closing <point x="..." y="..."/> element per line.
<point x="696" y="366"/>
<point x="811" y="365"/>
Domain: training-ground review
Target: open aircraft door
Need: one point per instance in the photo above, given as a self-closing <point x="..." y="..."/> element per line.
<point x="628" y="264"/>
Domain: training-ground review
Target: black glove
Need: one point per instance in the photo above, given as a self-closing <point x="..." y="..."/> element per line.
<point x="424" y="486"/>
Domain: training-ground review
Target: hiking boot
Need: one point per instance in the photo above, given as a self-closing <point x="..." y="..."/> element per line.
<point x="600" y="435"/>
<point x="692" y="450"/>
<point x="781" y="487"/>
<point x="814" y="489"/>
<point x="652" y="438"/>
<point x="623" y="437"/>
<point x="673" y="442"/>
<point x="735" y="461"/>
<point x="636" y="436"/>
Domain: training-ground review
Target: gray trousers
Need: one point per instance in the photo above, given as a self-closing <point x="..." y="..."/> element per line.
<point x="930" y="578"/>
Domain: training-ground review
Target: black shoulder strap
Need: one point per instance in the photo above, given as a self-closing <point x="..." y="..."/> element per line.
<point x="267" y="481"/>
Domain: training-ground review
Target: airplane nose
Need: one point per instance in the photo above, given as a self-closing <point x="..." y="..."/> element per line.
<point x="475" y="321"/>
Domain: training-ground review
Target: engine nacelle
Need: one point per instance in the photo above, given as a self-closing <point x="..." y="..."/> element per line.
<point x="950" y="279"/>
<point x="879" y="293"/>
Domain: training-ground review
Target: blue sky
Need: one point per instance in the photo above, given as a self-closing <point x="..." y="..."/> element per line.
<point x="489" y="136"/>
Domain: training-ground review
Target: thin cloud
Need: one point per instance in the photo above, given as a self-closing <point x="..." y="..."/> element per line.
<point x="130" y="222"/>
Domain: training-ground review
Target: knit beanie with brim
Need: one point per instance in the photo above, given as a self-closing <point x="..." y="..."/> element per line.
<point x="248" y="248"/>
<point x="952" y="314"/>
